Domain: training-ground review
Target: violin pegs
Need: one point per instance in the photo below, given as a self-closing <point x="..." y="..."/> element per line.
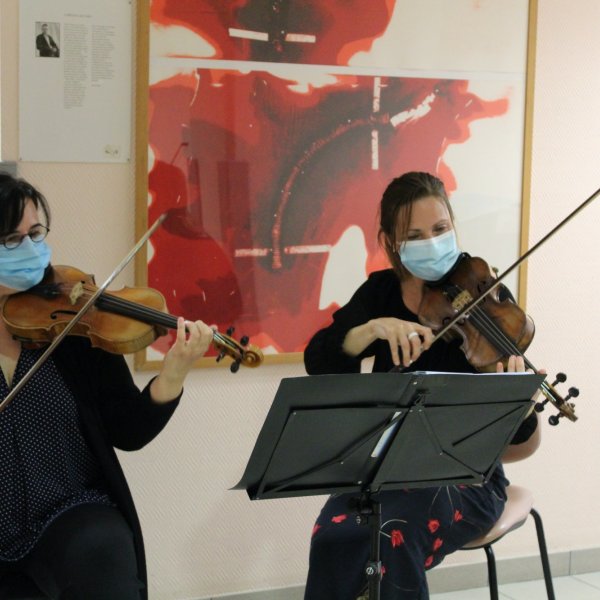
<point x="244" y="341"/>
<point x="539" y="406"/>
<point x="560" y="378"/>
<point x="230" y="330"/>
<point x="554" y="419"/>
<point x="573" y="393"/>
<point x="235" y="366"/>
<point x="220" y="356"/>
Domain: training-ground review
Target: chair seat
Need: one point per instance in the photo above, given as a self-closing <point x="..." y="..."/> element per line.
<point x="516" y="510"/>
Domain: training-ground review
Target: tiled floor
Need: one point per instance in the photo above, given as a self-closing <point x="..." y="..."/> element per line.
<point x="575" y="587"/>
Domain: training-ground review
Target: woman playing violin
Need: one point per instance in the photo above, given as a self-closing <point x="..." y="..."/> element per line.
<point x="68" y="520"/>
<point x="420" y="526"/>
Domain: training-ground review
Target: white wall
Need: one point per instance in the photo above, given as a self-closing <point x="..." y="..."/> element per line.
<point x="563" y="275"/>
<point x="204" y="540"/>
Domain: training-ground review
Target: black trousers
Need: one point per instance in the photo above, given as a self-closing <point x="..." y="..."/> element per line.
<point x="419" y="528"/>
<point x="87" y="553"/>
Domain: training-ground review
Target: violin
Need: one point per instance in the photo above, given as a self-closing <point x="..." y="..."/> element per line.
<point x="492" y="330"/>
<point x="120" y="322"/>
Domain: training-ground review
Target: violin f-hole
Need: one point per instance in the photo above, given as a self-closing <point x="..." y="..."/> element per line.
<point x="55" y="314"/>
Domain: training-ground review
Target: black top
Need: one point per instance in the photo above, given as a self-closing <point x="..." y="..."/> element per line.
<point x="46" y="466"/>
<point x="113" y="413"/>
<point x="380" y="296"/>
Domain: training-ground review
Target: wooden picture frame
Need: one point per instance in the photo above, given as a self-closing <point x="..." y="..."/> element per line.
<point x="269" y="145"/>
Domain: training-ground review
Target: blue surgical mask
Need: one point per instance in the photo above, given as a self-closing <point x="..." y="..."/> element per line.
<point x="23" y="267"/>
<point x="432" y="258"/>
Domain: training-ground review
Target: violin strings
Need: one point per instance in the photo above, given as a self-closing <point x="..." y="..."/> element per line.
<point x="497" y="337"/>
<point x="143" y="313"/>
<point x="129" y="308"/>
<point x="505" y="344"/>
<point x="150" y="315"/>
<point x="510" y="347"/>
<point x="502" y="341"/>
<point x="491" y="331"/>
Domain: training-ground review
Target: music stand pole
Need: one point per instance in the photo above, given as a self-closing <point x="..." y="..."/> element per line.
<point x="369" y="513"/>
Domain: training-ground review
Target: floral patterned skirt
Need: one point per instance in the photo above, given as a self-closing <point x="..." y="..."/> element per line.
<point x="419" y="528"/>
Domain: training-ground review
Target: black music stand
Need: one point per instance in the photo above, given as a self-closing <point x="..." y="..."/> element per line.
<point x="364" y="433"/>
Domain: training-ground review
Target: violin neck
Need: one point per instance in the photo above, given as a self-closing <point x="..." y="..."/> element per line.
<point x="152" y="316"/>
<point x="139" y="312"/>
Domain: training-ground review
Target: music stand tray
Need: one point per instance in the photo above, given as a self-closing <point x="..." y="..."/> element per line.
<point x="353" y="433"/>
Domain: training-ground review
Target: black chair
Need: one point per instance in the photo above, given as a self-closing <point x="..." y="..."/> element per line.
<point x="518" y="507"/>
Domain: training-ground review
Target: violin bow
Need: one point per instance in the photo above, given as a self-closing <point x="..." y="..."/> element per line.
<point x="82" y="311"/>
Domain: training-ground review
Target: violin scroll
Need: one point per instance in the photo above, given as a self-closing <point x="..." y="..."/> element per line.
<point x="565" y="408"/>
<point x="240" y="352"/>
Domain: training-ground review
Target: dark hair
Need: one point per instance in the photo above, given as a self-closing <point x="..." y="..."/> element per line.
<point x="14" y="194"/>
<point x="398" y="200"/>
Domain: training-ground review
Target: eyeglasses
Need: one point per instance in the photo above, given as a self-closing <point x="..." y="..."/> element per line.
<point x="13" y="240"/>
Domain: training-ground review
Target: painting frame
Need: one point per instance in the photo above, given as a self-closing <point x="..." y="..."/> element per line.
<point x="149" y="360"/>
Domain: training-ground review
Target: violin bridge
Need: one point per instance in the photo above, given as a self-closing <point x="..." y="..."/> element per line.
<point x="463" y="299"/>
<point x="76" y="293"/>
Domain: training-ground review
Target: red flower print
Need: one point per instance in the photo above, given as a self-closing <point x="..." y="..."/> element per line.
<point x="437" y="544"/>
<point x="428" y="561"/>
<point x="397" y="537"/>
<point x="433" y="525"/>
<point x="339" y="518"/>
<point x="382" y="570"/>
<point x="457" y="515"/>
<point x="315" y="529"/>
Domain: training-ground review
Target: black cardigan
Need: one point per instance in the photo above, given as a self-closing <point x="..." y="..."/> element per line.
<point x="114" y="413"/>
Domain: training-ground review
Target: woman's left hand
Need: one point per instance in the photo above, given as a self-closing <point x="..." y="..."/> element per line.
<point x="515" y="364"/>
<point x="189" y="346"/>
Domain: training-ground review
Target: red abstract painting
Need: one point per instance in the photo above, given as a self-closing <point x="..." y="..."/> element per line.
<point x="263" y="170"/>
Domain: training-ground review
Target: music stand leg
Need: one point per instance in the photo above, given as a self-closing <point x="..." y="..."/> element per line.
<point x="369" y="513"/>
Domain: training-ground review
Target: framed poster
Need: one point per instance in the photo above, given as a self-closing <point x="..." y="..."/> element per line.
<point x="268" y="130"/>
<point x="75" y="81"/>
